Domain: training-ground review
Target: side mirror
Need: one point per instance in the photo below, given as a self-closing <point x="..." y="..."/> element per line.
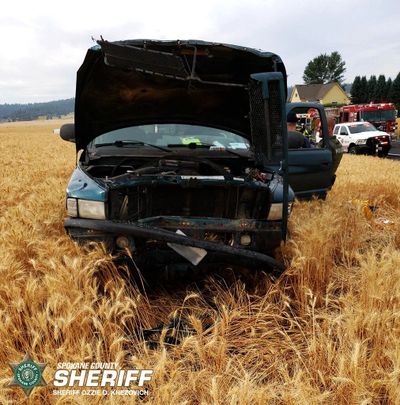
<point x="67" y="132"/>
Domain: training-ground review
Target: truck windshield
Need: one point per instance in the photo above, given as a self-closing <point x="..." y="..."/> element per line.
<point x="175" y="135"/>
<point x="380" y="115"/>
<point x="364" y="127"/>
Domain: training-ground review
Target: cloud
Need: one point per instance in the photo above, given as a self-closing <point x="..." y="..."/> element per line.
<point x="44" y="42"/>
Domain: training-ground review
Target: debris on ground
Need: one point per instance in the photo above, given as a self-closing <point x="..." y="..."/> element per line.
<point x="368" y="211"/>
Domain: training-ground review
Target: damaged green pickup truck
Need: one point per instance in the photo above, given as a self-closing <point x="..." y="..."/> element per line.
<point x="184" y="155"/>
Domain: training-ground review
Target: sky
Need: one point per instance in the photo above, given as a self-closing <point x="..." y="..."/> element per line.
<point x="43" y="42"/>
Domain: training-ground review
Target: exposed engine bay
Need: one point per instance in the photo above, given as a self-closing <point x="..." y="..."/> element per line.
<point x="166" y="165"/>
<point x="184" y="185"/>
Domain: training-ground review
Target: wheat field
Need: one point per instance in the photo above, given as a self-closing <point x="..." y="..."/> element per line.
<point x="326" y="332"/>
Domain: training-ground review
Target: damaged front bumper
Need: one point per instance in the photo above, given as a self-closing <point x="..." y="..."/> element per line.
<point x="224" y="243"/>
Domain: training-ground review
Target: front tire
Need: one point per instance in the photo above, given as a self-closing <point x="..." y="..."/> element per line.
<point x="352" y="150"/>
<point x="383" y="153"/>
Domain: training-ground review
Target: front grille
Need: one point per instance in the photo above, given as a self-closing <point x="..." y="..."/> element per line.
<point x="174" y="200"/>
<point x="258" y="122"/>
<point x="275" y="113"/>
<point x="266" y="121"/>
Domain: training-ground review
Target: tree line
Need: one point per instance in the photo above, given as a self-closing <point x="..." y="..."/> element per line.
<point x="32" y="111"/>
<point x="375" y="90"/>
<point x="327" y="68"/>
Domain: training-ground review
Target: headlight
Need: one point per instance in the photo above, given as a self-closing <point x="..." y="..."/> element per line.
<point x="91" y="209"/>
<point x="72" y="207"/>
<point x="275" y="212"/>
<point x="86" y="208"/>
<point x="361" y="141"/>
<point x="290" y="206"/>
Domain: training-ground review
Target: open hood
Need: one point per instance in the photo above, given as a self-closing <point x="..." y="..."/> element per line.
<point x="139" y="82"/>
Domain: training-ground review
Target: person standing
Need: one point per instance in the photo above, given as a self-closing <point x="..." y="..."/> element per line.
<point x="296" y="139"/>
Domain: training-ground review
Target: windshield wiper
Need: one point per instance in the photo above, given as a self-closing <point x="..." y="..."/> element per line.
<point x="194" y="145"/>
<point x="121" y="144"/>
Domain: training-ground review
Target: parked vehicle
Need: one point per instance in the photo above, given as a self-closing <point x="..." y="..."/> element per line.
<point x="184" y="154"/>
<point x="381" y="115"/>
<point x="362" y="137"/>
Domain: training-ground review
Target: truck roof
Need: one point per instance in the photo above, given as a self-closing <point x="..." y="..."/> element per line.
<point x="353" y="123"/>
<point x="369" y="107"/>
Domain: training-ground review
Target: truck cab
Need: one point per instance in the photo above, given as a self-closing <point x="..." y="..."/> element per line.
<point x="362" y="138"/>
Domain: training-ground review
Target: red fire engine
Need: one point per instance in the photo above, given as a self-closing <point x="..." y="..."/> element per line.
<point x="381" y="115"/>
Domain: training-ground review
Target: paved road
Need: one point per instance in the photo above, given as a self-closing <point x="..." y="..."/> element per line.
<point x="395" y="150"/>
<point x="395" y="147"/>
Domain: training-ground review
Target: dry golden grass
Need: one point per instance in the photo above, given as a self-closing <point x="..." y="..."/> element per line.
<point x="327" y="332"/>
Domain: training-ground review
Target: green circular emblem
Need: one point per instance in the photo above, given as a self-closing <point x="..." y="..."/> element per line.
<point x="27" y="374"/>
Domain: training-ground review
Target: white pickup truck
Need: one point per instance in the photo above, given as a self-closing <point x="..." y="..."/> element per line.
<point x="362" y="137"/>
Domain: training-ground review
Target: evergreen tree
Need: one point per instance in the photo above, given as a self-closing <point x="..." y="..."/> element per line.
<point x="364" y="90"/>
<point x="324" y="69"/>
<point x="356" y="91"/>
<point x="388" y="90"/>
<point x="396" y="91"/>
<point x="380" y="89"/>
<point x="371" y="89"/>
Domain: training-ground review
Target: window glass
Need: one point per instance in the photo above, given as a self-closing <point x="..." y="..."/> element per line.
<point x="304" y="128"/>
<point x="174" y="134"/>
<point x="379" y="115"/>
<point x="363" y="127"/>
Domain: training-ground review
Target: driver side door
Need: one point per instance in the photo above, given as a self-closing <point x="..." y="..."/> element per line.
<point x="312" y="169"/>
